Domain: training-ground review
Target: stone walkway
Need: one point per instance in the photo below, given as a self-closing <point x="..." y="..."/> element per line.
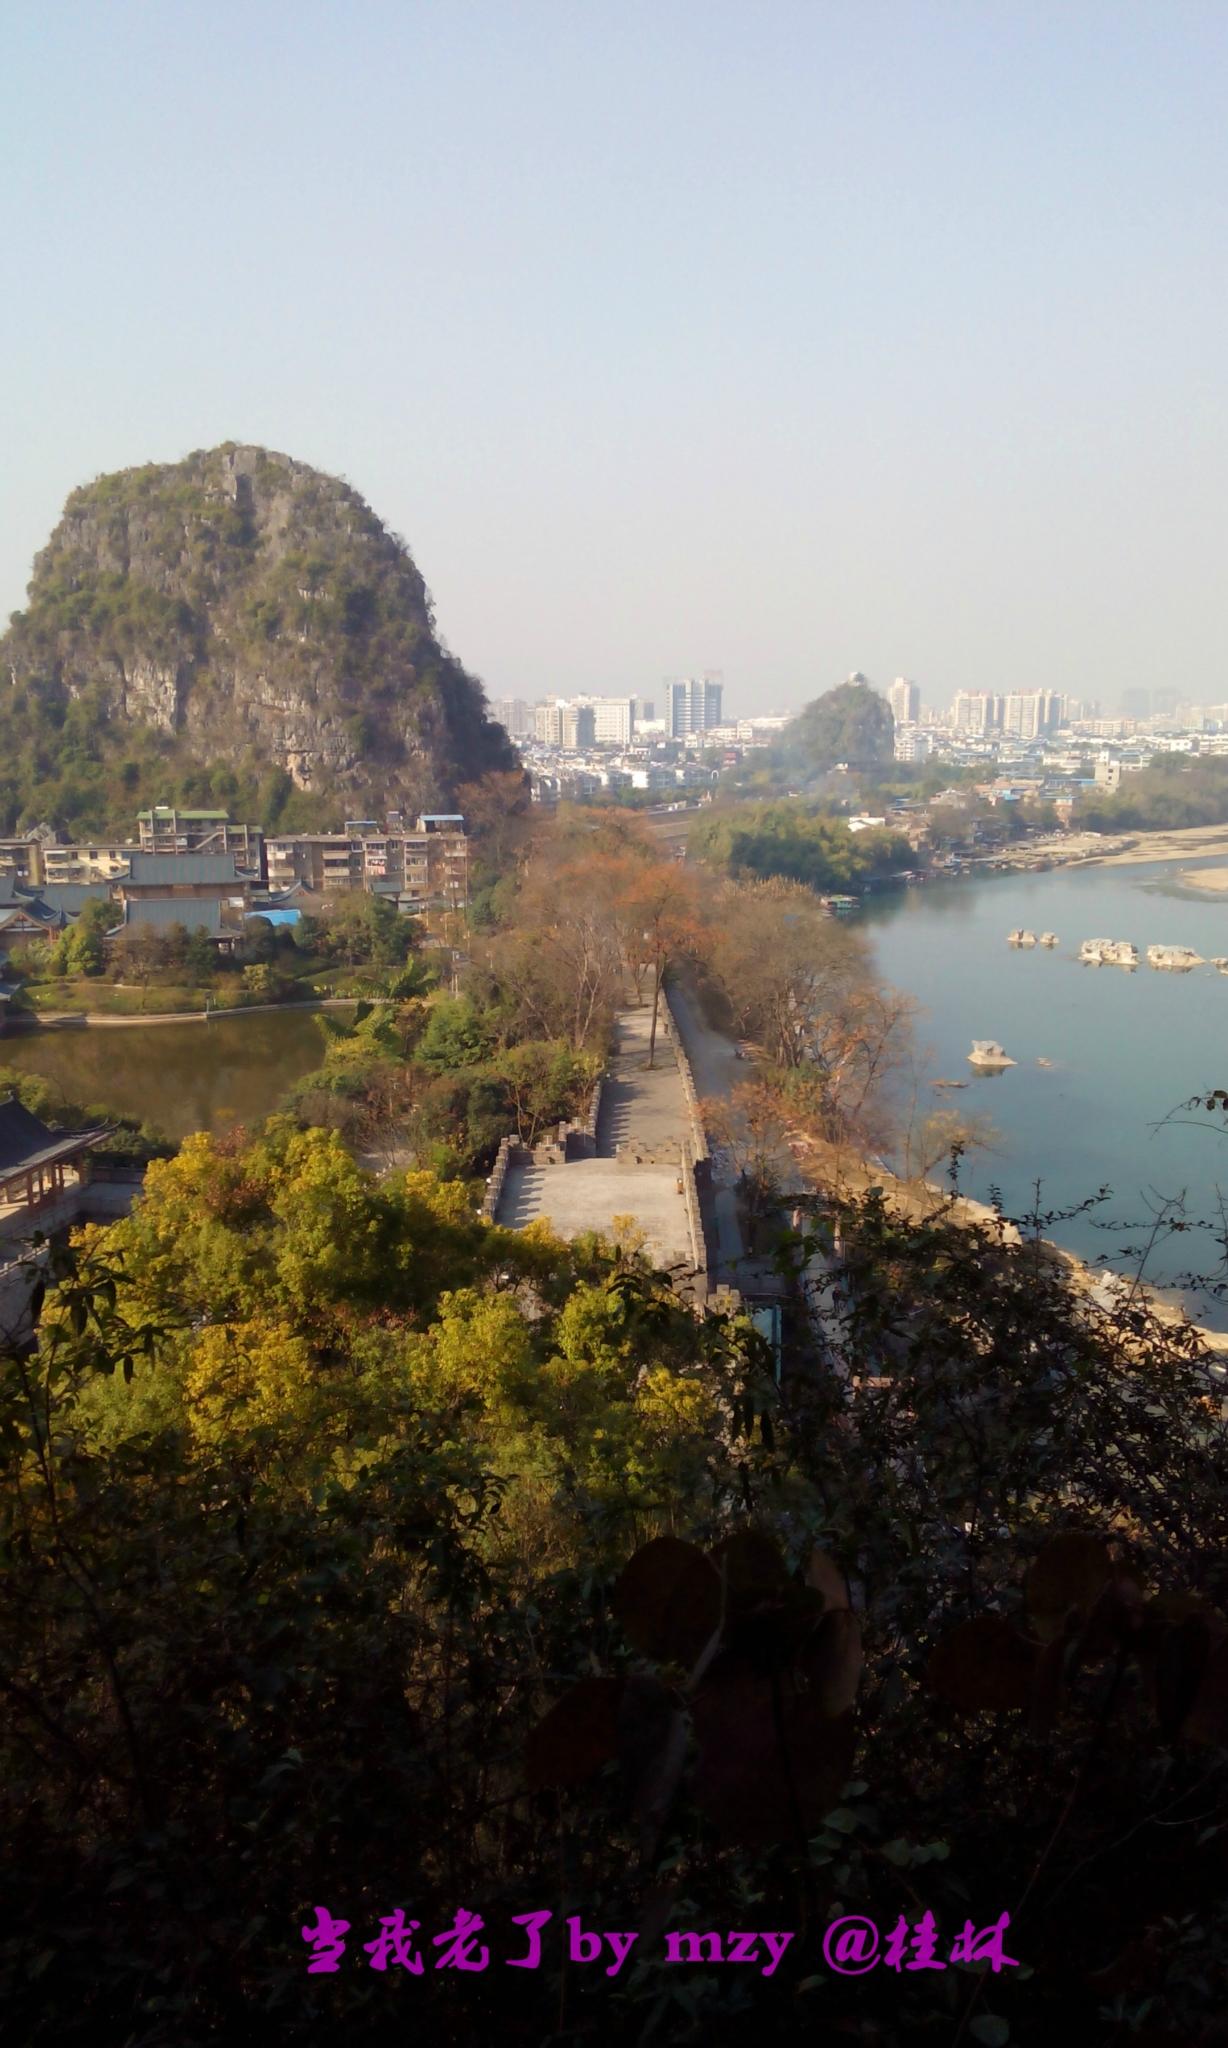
<point x="643" y="1112"/>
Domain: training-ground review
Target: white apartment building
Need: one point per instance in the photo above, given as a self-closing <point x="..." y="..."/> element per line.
<point x="613" y="720"/>
<point x="912" y="743"/>
<point x="905" y="701"/>
<point x="563" y="724"/>
<point x="1030" y="714"/>
<point x="977" y="712"/>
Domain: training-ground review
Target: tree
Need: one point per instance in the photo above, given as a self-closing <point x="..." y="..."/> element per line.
<point x="792" y="840"/>
<point x="80" y="948"/>
<point x="139" y="953"/>
<point x="851" y="723"/>
<point x="454" y="1037"/>
<point x="542" y="1084"/>
<point x="662" y="923"/>
<point x="366" y="930"/>
<point x="498" y="814"/>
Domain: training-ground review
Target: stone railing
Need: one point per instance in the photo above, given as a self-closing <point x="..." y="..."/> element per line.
<point x="494" y="1186"/>
<point x="576" y="1140"/>
<point x="694" y="1220"/>
<point x="701" y="1158"/>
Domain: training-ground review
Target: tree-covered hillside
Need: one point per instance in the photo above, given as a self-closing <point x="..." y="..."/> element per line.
<point x="236" y="628"/>
<point x="850" y="724"/>
<point x="1173" y="792"/>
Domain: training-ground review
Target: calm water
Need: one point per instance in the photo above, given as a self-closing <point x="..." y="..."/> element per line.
<point x="1127" y="1047"/>
<point x="182" y="1077"/>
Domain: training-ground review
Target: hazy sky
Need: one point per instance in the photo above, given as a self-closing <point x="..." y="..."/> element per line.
<point x="781" y="339"/>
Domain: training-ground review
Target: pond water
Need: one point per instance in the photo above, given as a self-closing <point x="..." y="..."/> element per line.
<point x="181" y="1077"/>
<point x="1105" y="1055"/>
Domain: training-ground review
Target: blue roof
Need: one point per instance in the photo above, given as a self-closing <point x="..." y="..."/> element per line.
<point x="277" y="916"/>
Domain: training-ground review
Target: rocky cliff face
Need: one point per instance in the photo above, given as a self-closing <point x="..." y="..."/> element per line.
<point x="256" y="612"/>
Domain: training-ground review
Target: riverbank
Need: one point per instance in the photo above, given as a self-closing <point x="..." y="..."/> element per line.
<point x="1192" y="842"/>
<point x="67" y="1020"/>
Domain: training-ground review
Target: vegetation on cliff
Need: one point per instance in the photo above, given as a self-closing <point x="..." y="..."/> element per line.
<point x="851" y="724"/>
<point x="235" y="629"/>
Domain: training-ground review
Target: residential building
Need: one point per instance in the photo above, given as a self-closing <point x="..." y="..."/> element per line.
<point x="905" y="701"/>
<point x="977" y="712"/>
<point x="1030" y="714"/>
<point x="515" y="716"/>
<point x="565" y="724"/>
<point x="22" y="860"/>
<point x="420" y="869"/>
<point x="85" y="863"/>
<point x="613" y="721"/>
<point x="167" y="830"/>
<point x="912" y="744"/>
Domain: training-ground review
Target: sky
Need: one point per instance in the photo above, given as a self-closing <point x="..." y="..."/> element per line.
<point x="780" y="339"/>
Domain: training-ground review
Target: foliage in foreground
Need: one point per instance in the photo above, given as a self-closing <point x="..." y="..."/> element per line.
<point x="420" y="1565"/>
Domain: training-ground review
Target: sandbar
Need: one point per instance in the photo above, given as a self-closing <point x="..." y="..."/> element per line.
<point x="1189" y="843"/>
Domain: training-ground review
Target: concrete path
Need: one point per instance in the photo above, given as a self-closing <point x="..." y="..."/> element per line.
<point x="644" y="1111"/>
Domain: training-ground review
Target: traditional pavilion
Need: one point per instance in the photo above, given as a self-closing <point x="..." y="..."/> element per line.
<point x="33" y="1157"/>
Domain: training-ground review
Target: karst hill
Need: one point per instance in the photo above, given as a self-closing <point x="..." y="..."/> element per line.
<point x="236" y="627"/>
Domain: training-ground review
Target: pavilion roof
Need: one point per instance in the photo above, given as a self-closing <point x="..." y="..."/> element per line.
<point x="26" y="1143"/>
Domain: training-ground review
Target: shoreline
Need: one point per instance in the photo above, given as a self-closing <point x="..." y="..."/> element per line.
<point x="1190" y="842"/>
<point x="69" y="1020"/>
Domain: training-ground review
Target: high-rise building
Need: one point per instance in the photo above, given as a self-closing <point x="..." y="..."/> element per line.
<point x="613" y="720"/>
<point x="905" y="701"/>
<point x="548" y="724"/>
<point x="1136" y="704"/>
<point x="693" y="704"/>
<point x="513" y="715"/>
<point x="579" y="726"/>
<point x="976" y="712"/>
<point x="1030" y="714"/>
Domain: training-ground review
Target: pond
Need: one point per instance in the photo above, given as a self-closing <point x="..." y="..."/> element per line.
<point x="182" y="1077"/>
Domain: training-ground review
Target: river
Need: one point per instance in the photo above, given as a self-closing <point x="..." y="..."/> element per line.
<point x="180" y="1077"/>
<point x="1105" y="1055"/>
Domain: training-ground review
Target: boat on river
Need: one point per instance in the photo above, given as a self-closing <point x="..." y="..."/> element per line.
<point x="987" y="1053"/>
<point x="1049" y="939"/>
<point x="1108" y="953"/>
<point x="1179" y="958"/>
<point x="1021" y="938"/>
